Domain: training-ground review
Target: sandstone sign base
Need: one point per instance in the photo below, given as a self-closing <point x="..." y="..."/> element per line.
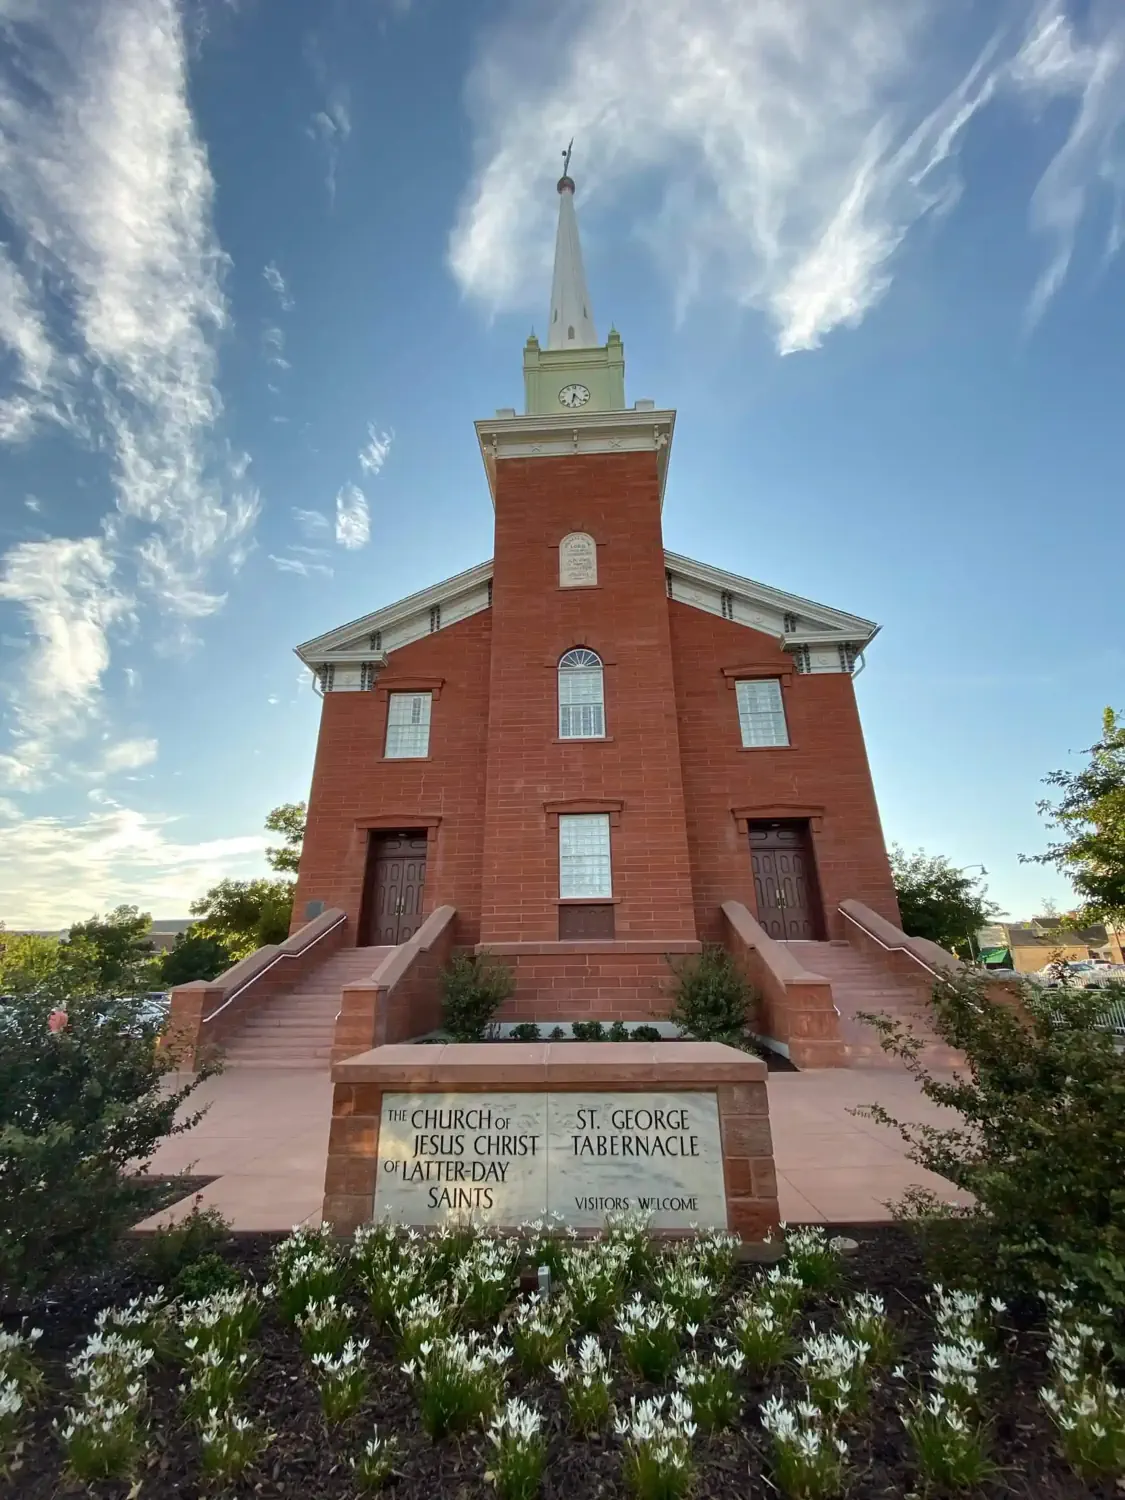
<point x="502" y="1133"/>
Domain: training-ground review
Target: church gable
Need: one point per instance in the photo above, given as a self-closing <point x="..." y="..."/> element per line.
<point x="347" y="659"/>
<point x="819" y="638"/>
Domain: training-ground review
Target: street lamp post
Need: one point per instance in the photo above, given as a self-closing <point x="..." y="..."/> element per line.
<point x="983" y="872"/>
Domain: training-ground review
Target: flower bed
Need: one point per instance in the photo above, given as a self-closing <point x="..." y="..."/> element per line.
<point x="417" y="1363"/>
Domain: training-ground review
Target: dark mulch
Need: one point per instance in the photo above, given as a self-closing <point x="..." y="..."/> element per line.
<point x="304" y="1462"/>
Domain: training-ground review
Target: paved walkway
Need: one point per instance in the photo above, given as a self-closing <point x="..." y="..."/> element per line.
<point x="265" y="1140"/>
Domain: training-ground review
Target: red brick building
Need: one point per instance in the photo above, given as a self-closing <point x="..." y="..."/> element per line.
<point x="587" y="744"/>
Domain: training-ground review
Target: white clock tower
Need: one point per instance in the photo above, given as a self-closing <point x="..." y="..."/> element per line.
<point x="574" y="372"/>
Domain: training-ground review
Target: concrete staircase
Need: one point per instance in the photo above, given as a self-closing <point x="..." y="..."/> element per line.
<point x="295" y="1030"/>
<point x="861" y="983"/>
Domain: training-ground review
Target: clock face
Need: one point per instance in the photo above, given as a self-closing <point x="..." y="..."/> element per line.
<point x="574" y="395"/>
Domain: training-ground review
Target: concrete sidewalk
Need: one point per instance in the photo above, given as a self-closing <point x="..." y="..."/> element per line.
<point x="265" y="1141"/>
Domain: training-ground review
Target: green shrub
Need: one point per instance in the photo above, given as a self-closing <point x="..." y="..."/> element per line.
<point x="473" y="987"/>
<point x="204" y="1277"/>
<point x="557" y="1034"/>
<point x="1039" y="1143"/>
<point x="587" y="1031"/>
<point x="525" y="1031"/>
<point x="170" y="1250"/>
<point x="82" y="1098"/>
<point x="646" y="1034"/>
<point x="710" y="999"/>
<point x="618" y="1032"/>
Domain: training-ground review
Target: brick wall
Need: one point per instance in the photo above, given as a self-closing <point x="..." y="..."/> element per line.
<point x="353" y="784"/>
<point x="616" y="499"/>
<point x="824" y="768"/>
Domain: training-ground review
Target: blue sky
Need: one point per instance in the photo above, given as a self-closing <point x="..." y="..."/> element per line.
<point x="261" y="265"/>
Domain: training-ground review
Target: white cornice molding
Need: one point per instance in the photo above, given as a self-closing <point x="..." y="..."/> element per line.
<point x="837" y="624"/>
<point x="631" y="431"/>
<point x="335" y="642"/>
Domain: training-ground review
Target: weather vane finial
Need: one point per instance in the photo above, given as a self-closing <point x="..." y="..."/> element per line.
<point x="566" y="158"/>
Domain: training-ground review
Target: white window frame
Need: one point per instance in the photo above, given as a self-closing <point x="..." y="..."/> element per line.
<point x="408" y="726"/>
<point x="761" y="712"/>
<point x="581" y="695"/>
<point x="585" y="857"/>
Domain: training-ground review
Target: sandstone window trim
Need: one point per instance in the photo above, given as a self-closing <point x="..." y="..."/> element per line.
<point x="408" y="726"/>
<point x="581" y="694"/>
<point x="762" y="720"/>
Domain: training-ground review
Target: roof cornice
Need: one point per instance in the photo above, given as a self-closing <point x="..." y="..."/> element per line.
<point x="391" y="614"/>
<point x="633" y="431"/>
<point x="836" y="620"/>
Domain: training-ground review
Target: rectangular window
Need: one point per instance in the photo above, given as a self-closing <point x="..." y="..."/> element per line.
<point x="761" y="715"/>
<point x="584" y="869"/>
<point x="408" y="726"/>
<point x="581" y="708"/>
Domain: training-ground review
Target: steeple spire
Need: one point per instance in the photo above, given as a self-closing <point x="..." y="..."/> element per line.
<point x="571" y="325"/>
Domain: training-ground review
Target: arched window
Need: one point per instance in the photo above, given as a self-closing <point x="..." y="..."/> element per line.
<point x="581" y="701"/>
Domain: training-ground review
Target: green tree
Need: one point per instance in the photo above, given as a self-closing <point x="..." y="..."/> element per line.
<point x="194" y="955"/>
<point x="1090" y="817"/>
<point x="289" y="821"/>
<point x="121" y="945"/>
<point x="938" y="901"/>
<point x="84" y="1102"/>
<point x="35" y="964"/>
<point x="244" y="914"/>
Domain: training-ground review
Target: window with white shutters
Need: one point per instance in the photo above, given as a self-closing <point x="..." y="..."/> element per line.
<point x="581" y="697"/>
<point x="761" y="714"/>
<point x="408" y="726"/>
<point x="584" y="868"/>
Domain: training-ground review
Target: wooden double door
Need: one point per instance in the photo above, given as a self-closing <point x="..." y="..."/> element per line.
<point x="785" y="881"/>
<point x="393" y="888"/>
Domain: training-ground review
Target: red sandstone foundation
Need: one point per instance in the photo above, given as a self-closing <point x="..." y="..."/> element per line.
<point x="504" y="1132"/>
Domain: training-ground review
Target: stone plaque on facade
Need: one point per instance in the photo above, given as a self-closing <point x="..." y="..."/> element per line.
<point x="504" y="1158"/>
<point x="578" y="560"/>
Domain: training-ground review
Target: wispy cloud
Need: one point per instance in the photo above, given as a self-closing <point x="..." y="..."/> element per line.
<point x="353" y="520"/>
<point x="794" y="143"/>
<point x="70" y="597"/>
<point x="273" y="342"/>
<point x="313" y="523"/>
<point x="112" y="315"/>
<point x="373" y="455"/>
<point x="331" y="127"/>
<point x="129" y="755"/>
<point x="300" y="566"/>
<point x="276" y="283"/>
<point x="57" y="870"/>
<point x="1087" y="65"/>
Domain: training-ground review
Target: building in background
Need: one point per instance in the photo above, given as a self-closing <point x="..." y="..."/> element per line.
<point x="1030" y="946"/>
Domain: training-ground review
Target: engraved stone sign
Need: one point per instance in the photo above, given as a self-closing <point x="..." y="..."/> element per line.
<point x="578" y="560"/>
<point x="504" y="1158"/>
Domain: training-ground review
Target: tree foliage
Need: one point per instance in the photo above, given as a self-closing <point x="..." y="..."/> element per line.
<point x="289" y="821"/>
<point x="121" y="944"/>
<point x="937" y="901"/>
<point x="244" y="914"/>
<point x="1039" y="1143"/>
<point x="1089" y="814"/>
<point x="194" y="955"/>
<point x="79" y="1106"/>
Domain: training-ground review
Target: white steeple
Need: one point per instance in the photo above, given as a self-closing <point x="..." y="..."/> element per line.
<point x="571" y="323"/>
